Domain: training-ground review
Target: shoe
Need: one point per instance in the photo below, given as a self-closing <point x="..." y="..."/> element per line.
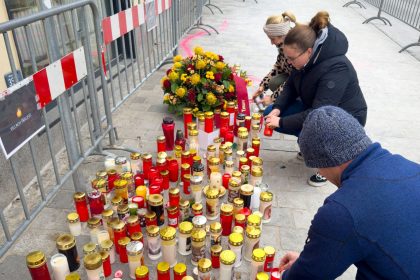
<point x="299" y="156"/>
<point x="317" y="180"/>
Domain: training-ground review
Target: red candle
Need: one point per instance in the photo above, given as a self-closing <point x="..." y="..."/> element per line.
<point x="225" y="180"/>
<point x="250" y="152"/>
<point x="119" y="230"/>
<point x="147" y="164"/>
<point x="173" y="216"/>
<point x="226" y="218"/>
<point x="208" y="122"/>
<point x="173" y="170"/>
<point x="224" y="119"/>
<point x="230" y="108"/>
<point x="217" y="118"/>
<point x="122" y="243"/>
<point x="268" y="131"/>
<point x="223" y="130"/>
<point x="188" y="117"/>
<point x="215" y="251"/>
<point x="154" y="189"/>
<point x="161" y="144"/>
<point x="246" y="211"/>
<point x="248" y="123"/>
<point x="161" y="164"/>
<point x="133" y="225"/>
<point x="151" y="219"/>
<point x="153" y="173"/>
<point x="95" y="203"/>
<point x="139" y="200"/>
<point x="269" y="259"/>
<point x="185" y="169"/>
<point x="174" y="197"/>
<point x="229" y="136"/>
<point x="81" y="206"/>
<point x="256" y="146"/>
<point x="138" y="180"/>
<point x="165" y="179"/>
<point x="275" y="274"/>
<point x="163" y="271"/>
<point x="37" y="265"/>
<point x="186" y="182"/>
<point x="112" y="176"/>
<point x="106" y="263"/>
<point x="185" y="157"/>
<point x="159" y="182"/>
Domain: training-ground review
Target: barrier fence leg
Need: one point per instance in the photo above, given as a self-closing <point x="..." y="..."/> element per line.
<point x="410" y="45"/>
<point x="381" y="18"/>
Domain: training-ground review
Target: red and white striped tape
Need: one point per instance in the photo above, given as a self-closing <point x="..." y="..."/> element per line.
<point x="59" y="76"/>
<point x="125" y="21"/>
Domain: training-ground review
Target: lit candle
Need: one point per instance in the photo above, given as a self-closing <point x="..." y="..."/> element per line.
<point x="59" y="266"/>
<point x="141" y="191"/>
<point x="215" y="180"/>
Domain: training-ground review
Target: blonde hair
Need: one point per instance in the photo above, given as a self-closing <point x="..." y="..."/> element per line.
<point x="304" y="36"/>
<point x="284" y="17"/>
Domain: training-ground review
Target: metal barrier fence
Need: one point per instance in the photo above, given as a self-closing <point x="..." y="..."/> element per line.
<point x="80" y="119"/>
<point x="407" y="11"/>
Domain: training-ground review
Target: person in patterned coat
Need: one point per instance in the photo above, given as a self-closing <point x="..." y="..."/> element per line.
<point x="276" y="28"/>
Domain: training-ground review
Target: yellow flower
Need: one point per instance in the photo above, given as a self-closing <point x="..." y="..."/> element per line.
<point x="177" y="58"/>
<point x="195" y="79"/>
<point x="198" y="50"/>
<point x="180" y="92"/>
<point x="231" y="88"/>
<point x="248" y="82"/>
<point x="200" y="64"/>
<point x="210" y="75"/>
<point x="177" y="65"/>
<point x="184" y="77"/>
<point x="166" y="97"/>
<point x="220" y="65"/>
<point x="211" y="98"/>
<point x="195" y="109"/>
<point x="173" y="76"/>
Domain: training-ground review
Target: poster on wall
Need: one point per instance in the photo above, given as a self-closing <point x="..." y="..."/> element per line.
<point x="151" y="22"/>
<point x="20" y="120"/>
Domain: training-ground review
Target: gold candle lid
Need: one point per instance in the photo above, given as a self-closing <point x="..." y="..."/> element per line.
<point x="187" y="177"/>
<point x="247" y="189"/>
<point x="233" y="183"/>
<point x="142" y="271"/>
<point x="120" y="183"/>
<point x="155" y="200"/>
<point x="35" y="259"/>
<point x="256" y="116"/>
<point x="134" y="248"/>
<point x="187" y="278"/>
<point x="229" y="163"/>
<point x="183" y="203"/>
<point x="193" y="132"/>
<point x="146" y="156"/>
<point x="73" y="218"/>
<point x="240" y="217"/>
<point x="107" y="213"/>
<point x="101" y="185"/>
<point x="111" y="172"/>
<point x="73" y="276"/>
<point x="266" y="196"/>
<point x="238" y="202"/>
<point x="119" y="226"/>
<point x="250" y="150"/>
<point x="65" y="241"/>
<point x="161" y="155"/>
<point x="161" y="161"/>
<point x="92" y="261"/>
<point x="168" y="233"/>
<point x="198" y="235"/>
<point x="137" y="236"/>
<point x="243" y="160"/>
<point x="214" y="161"/>
<point x="162" y="267"/>
<point x="174" y="191"/>
<point x="180" y="269"/>
<point x="197" y="207"/>
<point x="238" y="229"/>
<point x="226" y="209"/>
<point x="258" y="255"/>
<point x="172" y="209"/>
<point x="106" y="245"/>
<point x="124" y="241"/>
<point x="122" y="208"/>
<point x="240" y="153"/>
<point x="256" y="143"/>
<point x="253" y="232"/>
<point x="256" y="171"/>
<point x="211" y="148"/>
<point x="164" y="172"/>
<point x="262" y="276"/>
<point x="150" y="215"/>
<point x="236" y="174"/>
<point x="215" y="227"/>
<point x="209" y="114"/>
<point x="201" y="119"/>
<point x="185" y="166"/>
<point x="224" y="114"/>
<point x="236" y="239"/>
<point x="254" y="220"/>
<point x="161" y="139"/>
<point x="212" y="193"/>
<point x="257" y="161"/>
<point x="89" y="248"/>
<point x="185" y="227"/>
<point x="245" y="168"/>
<point x="269" y="251"/>
<point x="191" y="126"/>
<point x="204" y="265"/>
<point x="152" y="230"/>
<point x="127" y="176"/>
<point x="94" y="222"/>
<point x="135" y="156"/>
<point x="216" y="250"/>
<point x="133" y="220"/>
<point x="79" y="196"/>
<point x="230" y="104"/>
<point x="255" y="127"/>
<point x="187" y="110"/>
<point x="116" y="200"/>
<point x="104" y="255"/>
<point x="227" y="257"/>
<point x="218" y="140"/>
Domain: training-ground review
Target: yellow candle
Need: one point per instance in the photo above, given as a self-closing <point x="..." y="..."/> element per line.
<point x="141" y="191"/>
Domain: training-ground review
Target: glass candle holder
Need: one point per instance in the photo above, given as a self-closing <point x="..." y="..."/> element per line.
<point x="266" y="201"/>
<point x="268" y="131"/>
<point x="133" y="225"/>
<point x="180" y="271"/>
<point x="155" y="204"/>
<point x="227" y="259"/>
<point x="246" y="194"/>
<point x="106" y="263"/>
<point x="233" y="190"/>
<point x="269" y="260"/>
<point x="37" y="265"/>
<point x="257" y="263"/>
<point x="235" y="244"/>
<point x="121" y="189"/>
<point x="186" y="180"/>
<point x="188" y="118"/>
<point x="168" y="127"/>
<point x="122" y="249"/>
<point x="119" y="229"/>
<point x="173" y="216"/>
<point x="135" y="256"/>
<point x="209" y="122"/>
<point x="94" y="225"/>
<point x="108" y="246"/>
<point x="215" y="251"/>
<point x="161" y="144"/>
<point x="80" y="203"/>
<point x="75" y="226"/>
<point x="174" y="197"/>
<point x="164" y="174"/>
<point x="153" y="242"/>
<point x="93" y="266"/>
<point x="147" y="164"/>
<point x="193" y="140"/>
<point x="168" y="234"/>
<point x="184" y="210"/>
<point x="60" y="267"/>
<point x="198" y="245"/>
<point x="204" y="269"/>
<point x="226" y="218"/>
<point x="184" y="238"/>
<point x="252" y="241"/>
<point x="215" y="233"/>
<point x="256" y="146"/>
<point x="66" y="245"/>
<point x="135" y="162"/>
<point x="212" y="203"/>
<point x="163" y="271"/>
<point x="173" y="169"/>
<point x="217" y="113"/>
<point x="142" y="273"/>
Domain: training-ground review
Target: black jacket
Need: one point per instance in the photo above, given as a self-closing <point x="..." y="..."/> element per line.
<point x="327" y="79"/>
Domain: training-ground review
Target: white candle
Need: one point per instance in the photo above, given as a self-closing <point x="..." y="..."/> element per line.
<point x="109" y="163"/>
<point x="59" y="266"/>
<point x="102" y="235"/>
<point x="215" y="180"/>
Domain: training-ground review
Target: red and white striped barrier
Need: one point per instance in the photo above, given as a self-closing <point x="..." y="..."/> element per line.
<point x="59" y="76"/>
<point x="125" y="21"/>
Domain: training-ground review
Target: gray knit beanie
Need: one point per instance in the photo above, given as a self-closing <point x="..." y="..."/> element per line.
<point x="330" y="137"/>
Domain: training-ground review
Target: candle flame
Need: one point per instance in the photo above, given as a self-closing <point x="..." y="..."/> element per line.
<point x="19" y="113"/>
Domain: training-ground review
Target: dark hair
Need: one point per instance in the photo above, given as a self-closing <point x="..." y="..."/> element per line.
<point x="303" y="36"/>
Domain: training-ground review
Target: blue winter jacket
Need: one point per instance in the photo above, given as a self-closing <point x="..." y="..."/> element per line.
<point x="371" y="221"/>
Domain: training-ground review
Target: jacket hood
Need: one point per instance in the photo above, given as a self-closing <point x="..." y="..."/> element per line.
<point x="330" y="42"/>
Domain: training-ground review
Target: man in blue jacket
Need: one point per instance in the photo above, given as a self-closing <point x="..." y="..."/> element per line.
<point x="372" y="220"/>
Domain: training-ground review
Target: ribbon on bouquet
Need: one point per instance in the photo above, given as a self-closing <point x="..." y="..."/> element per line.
<point x="242" y="95"/>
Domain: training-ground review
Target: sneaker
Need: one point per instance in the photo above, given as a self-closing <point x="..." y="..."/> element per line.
<point x="317" y="180"/>
<point x="299" y="156"/>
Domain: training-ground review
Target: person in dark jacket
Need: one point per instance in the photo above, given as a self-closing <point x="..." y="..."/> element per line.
<point x="322" y="75"/>
<point x="372" y="220"/>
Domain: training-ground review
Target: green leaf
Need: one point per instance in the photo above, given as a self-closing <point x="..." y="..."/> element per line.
<point x="199" y="97"/>
<point x="226" y="84"/>
<point x="174" y="87"/>
<point x="206" y="107"/>
<point x="203" y="80"/>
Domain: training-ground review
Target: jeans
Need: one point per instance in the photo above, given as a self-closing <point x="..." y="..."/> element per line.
<point x="296" y="107"/>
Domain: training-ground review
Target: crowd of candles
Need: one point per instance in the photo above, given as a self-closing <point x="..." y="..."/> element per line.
<point x="158" y="205"/>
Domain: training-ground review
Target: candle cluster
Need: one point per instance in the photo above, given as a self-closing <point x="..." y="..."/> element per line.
<point x="155" y="205"/>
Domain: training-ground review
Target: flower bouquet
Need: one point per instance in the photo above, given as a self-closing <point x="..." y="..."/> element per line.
<point x="203" y="82"/>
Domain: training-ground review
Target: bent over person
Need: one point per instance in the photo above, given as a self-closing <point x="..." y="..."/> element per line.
<point x="372" y="220"/>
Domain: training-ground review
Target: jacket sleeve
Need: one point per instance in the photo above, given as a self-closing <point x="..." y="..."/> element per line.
<point x="330" y="91"/>
<point x="288" y="95"/>
<point x="331" y="247"/>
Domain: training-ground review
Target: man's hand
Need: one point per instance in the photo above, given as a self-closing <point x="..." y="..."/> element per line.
<point x="274" y="112"/>
<point x="272" y="121"/>
<point x="258" y="92"/>
<point x="288" y="260"/>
